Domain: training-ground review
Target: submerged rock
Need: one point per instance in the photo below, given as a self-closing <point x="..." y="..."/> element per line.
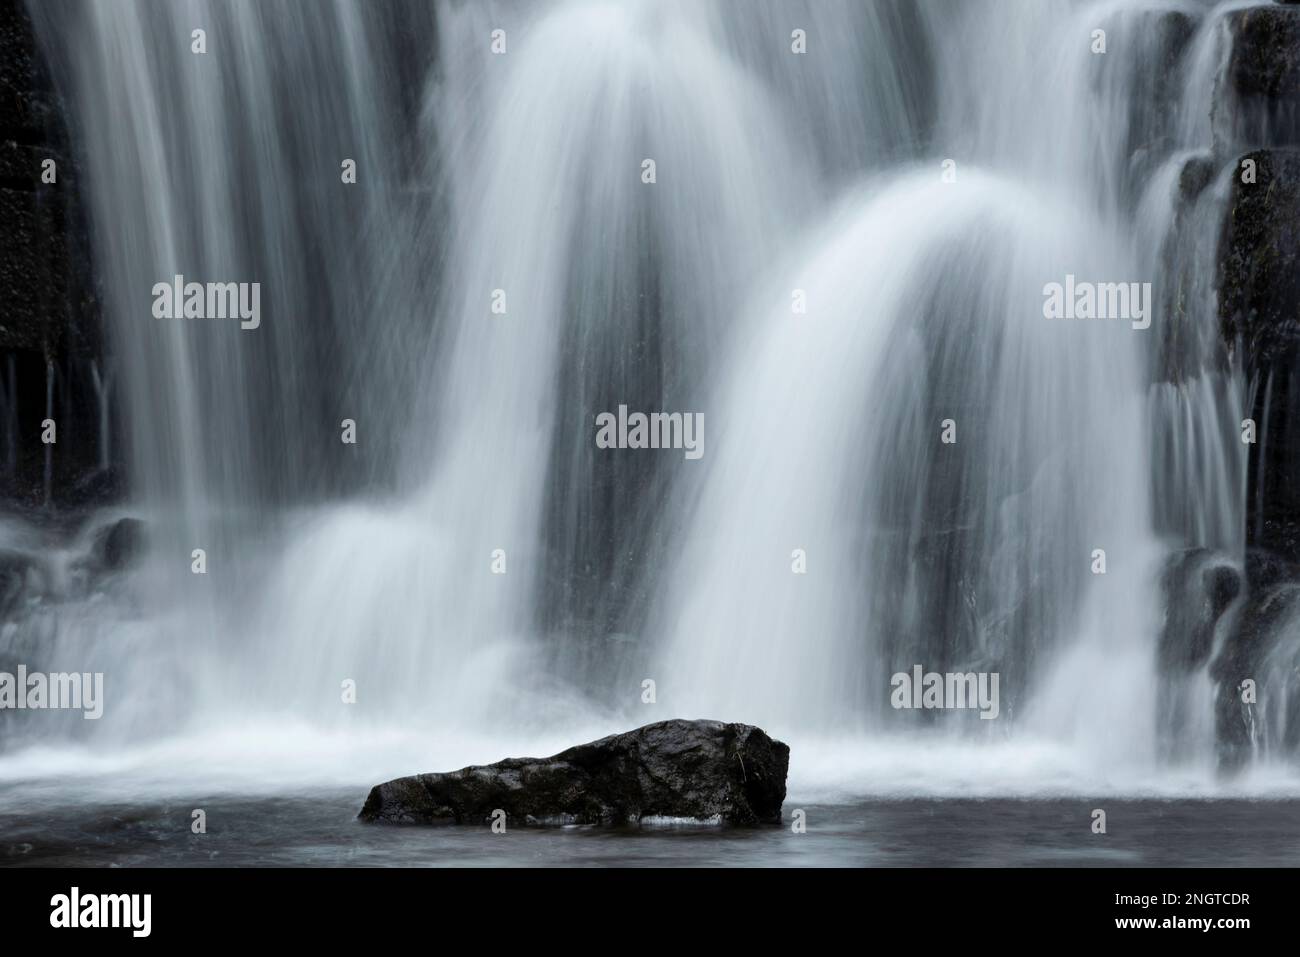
<point x="706" y="771"/>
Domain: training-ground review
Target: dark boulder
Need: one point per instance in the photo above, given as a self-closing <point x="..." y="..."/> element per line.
<point x="703" y="770"/>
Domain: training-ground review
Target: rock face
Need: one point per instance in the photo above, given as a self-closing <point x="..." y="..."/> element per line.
<point x="705" y="770"/>
<point x="1258" y="655"/>
<point x="1259" y="305"/>
<point x="1265" y="52"/>
<point x="52" y="353"/>
<point x="1198" y="586"/>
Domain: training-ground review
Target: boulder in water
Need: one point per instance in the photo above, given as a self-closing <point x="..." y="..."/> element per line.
<point x="706" y="771"/>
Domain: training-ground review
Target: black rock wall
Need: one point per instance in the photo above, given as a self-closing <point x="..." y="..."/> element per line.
<point x="1259" y="305"/>
<point x="1259" y="311"/>
<point x="52" y="361"/>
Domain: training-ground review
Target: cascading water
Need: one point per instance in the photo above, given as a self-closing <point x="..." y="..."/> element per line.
<point x="504" y="270"/>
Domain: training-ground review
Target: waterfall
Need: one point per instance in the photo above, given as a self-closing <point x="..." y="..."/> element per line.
<point x="839" y="258"/>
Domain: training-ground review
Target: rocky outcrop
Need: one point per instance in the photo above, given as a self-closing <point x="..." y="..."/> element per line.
<point x="51" y="346"/>
<point x="701" y="770"/>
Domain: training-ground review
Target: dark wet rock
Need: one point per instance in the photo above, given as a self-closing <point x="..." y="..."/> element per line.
<point x="1259" y="304"/>
<point x="1195" y="175"/>
<point x="13" y="577"/>
<point x="21" y="575"/>
<point x="1259" y="308"/>
<point x="117" y="546"/>
<point x="25" y="100"/>
<point x="1265" y="52"/>
<point x="1176" y="29"/>
<point x="1190" y="345"/>
<point x="1264" y="74"/>
<point x="1259" y="274"/>
<point x="703" y="770"/>
<point x="51" y="341"/>
<point x="1198" y="586"/>
<point x="95" y="488"/>
<point x="1148" y="123"/>
<point x="1262" y="649"/>
<point x="1265" y="569"/>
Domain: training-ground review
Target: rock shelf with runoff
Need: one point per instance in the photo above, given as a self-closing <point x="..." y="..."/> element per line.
<point x="704" y="771"/>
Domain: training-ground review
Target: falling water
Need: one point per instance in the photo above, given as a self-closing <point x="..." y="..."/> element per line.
<point x="504" y="269"/>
